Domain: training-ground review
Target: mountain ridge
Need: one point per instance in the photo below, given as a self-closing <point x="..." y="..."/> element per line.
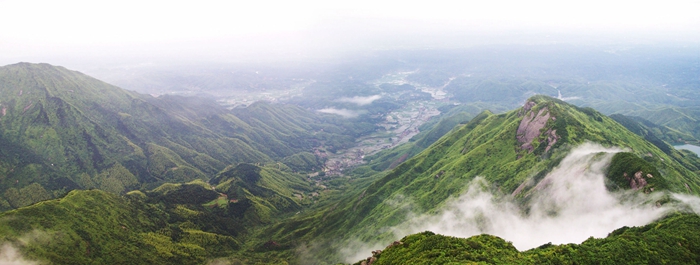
<point x="64" y="130"/>
<point x="256" y="207"/>
<point x="487" y="146"/>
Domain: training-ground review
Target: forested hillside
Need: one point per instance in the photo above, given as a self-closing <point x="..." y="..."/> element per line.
<point x="513" y="152"/>
<point x="62" y="130"/>
<point x="92" y="174"/>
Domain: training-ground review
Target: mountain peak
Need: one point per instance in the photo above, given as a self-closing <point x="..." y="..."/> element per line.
<point x="25" y="84"/>
<point x="35" y="67"/>
<point x="534" y="120"/>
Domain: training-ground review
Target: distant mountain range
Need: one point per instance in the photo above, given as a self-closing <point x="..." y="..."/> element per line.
<point x="93" y="174"/>
<point x="513" y="152"/>
<point x="62" y="130"/>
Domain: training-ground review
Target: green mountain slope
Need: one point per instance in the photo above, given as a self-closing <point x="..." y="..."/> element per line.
<point x="430" y="132"/>
<point x="661" y="136"/>
<point x="248" y="213"/>
<point x="259" y="194"/>
<point x="96" y="227"/>
<point x="656" y="134"/>
<point x="61" y="130"/>
<point x="673" y="240"/>
<point x="512" y="151"/>
<point x="186" y="223"/>
<point x="682" y="120"/>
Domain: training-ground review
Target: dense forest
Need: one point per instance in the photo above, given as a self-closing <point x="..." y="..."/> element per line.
<point x="396" y="157"/>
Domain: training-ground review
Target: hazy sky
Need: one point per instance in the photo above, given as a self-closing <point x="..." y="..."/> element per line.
<point x="41" y="30"/>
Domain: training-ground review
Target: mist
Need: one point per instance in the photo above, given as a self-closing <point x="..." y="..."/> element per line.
<point x="360" y="101"/>
<point x="9" y="255"/>
<point x="77" y="32"/>
<point x="569" y="205"/>
<point x="345" y="113"/>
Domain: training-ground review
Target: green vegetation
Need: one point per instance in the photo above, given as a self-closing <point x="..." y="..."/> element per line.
<point x="656" y="134"/>
<point x="62" y="130"/>
<point x="95" y="227"/>
<point x="259" y="194"/>
<point x="429" y="248"/>
<point x="486" y="146"/>
<point x="182" y="181"/>
<point x="673" y="240"/>
<point x="661" y="136"/>
<point x="628" y="171"/>
<point x="430" y="132"/>
<point x="186" y="223"/>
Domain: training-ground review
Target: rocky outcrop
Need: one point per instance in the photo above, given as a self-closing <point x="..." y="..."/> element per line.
<point x="368" y="261"/>
<point x="552" y="138"/>
<point x="531" y="126"/>
<point x="637" y="181"/>
<point x="371" y="260"/>
<point x="527" y="107"/>
<point x="395" y="243"/>
<point x="375" y="254"/>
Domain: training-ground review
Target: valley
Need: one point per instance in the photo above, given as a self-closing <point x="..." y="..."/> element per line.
<point x="693" y="148"/>
<point x="349" y="132"/>
<point x="327" y="166"/>
<point x="393" y="128"/>
<point x="398" y="128"/>
<point x="236" y="99"/>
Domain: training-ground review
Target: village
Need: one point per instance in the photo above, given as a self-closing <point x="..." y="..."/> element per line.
<point x="398" y="127"/>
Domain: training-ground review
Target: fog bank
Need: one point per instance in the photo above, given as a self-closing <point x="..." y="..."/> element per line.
<point x="360" y="101"/>
<point x="569" y="205"/>
<point x="345" y="113"/>
<point x="9" y="255"/>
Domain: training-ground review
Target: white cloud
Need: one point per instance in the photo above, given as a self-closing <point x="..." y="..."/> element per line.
<point x="9" y="255"/>
<point x="570" y="205"/>
<point x="346" y="113"/>
<point x="221" y="29"/>
<point x="360" y="101"/>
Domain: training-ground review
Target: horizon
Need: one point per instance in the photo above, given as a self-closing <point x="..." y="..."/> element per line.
<point x="86" y="33"/>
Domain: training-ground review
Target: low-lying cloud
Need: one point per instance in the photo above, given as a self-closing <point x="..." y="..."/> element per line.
<point x="360" y="101"/>
<point x="9" y="255"/>
<point x="346" y="113"/>
<point x="569" y="205"/>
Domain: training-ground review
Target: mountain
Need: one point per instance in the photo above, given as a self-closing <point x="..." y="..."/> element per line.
<point x="661" y="136"/>
<point x="96" y="227"/>
<point x="258" y="210"/>
<point x="430" y="132"/>
<point x="512" y="152"/>
<point x="261" y="193"/>
<point x="62" y="130"/>
<point x="175" y="223"/>
<point x="672" y="240"/>
<point x="673" y="124"/>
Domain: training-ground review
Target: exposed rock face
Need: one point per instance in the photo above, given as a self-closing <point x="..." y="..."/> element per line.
<point x="531" y="125"/>
<point x="637" y="181"/>
<point x="375" y="254"/>
<point x="395" y="243"/>
<point x="527" y="107"/>
<point x="371" y="260"/>
<point x="552" y="139"/>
